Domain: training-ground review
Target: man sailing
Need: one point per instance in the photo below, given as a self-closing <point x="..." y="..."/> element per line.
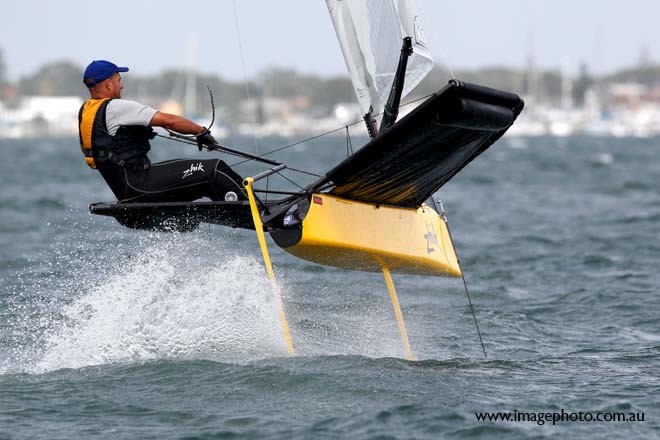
<point x="114" y="137"/>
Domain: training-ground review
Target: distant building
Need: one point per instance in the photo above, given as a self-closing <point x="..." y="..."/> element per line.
<point x="41" y="116"/>
<point x="627" y="93"/>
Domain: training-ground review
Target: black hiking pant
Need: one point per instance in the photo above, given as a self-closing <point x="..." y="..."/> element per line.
<point x="178" y="180"/>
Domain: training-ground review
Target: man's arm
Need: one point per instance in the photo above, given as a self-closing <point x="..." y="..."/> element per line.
<point x="175" y="123"/>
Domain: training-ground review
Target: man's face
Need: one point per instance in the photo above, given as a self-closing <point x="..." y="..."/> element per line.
<point x="114" y="82"/>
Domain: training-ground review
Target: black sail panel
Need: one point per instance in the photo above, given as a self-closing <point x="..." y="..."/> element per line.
<point x="410" y="161"/>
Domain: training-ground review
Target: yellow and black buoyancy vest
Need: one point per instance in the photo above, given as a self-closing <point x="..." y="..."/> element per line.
<point x="128" y="147"/>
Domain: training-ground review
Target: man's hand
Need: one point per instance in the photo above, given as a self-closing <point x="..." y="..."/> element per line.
<point x="205" y="139"/>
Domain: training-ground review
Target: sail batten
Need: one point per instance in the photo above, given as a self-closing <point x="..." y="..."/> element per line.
<point x="370" y="33"/>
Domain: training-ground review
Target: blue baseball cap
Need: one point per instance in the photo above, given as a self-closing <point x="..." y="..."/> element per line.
<point x="100" y="70"/>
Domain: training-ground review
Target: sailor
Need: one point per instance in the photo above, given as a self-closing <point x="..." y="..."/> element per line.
<point x="114" y="137"/>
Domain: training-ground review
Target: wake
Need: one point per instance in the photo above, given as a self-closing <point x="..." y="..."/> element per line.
<point x="172" y="298"/>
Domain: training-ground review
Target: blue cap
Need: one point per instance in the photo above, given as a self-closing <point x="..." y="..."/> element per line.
<point x="100" y="70"/>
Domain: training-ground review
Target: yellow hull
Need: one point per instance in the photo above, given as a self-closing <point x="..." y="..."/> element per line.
<point x="360" y="236"/>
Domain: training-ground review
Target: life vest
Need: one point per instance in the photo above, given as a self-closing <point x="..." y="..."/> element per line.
<point x="127" y="148"/>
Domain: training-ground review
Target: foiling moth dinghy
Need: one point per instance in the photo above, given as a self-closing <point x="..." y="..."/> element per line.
<point x="368" y="213"/>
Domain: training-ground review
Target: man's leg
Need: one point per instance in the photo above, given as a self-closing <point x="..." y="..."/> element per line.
<point x="183" y="180"/>
<point x="225" y="180"/>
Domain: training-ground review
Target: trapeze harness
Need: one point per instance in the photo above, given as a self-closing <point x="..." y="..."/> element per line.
<point x="122" y="161"/>
<point x="127" y="148"/>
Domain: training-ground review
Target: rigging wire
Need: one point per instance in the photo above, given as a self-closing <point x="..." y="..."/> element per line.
<point x="245" y="78"/>
<point x="467" y="292"/>
<point x="291" y="181"/>
<point x="267" y="186"/>
<point x="328" y="132"/>
<point x="349" y="144"/>
<point x="298" y="142"/>
<point x="446" y="60"/>
<point x="193" y="143"/>
<point x="247" y="89"/>
<point x="345" y="127"/>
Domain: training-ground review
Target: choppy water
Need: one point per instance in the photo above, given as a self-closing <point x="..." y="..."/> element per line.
<point x="112" y="333"/>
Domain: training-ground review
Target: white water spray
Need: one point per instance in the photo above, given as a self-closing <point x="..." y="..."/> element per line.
<point x="172" y="301"/>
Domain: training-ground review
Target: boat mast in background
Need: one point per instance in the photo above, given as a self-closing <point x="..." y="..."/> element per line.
<point x="190" y="96"/>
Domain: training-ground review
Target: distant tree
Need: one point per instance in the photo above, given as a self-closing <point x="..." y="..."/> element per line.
<point x="323" y="93"/>
<point x="503" y="78"/>
<point x="327" y="93"/>
<point x="433" y="82"/>
<point x="648" y="75"/>
<point x="582" y="84"/>
<point x="170" y="85"/>
<point x="55" y="79"/>
<point x="319" y="94"/>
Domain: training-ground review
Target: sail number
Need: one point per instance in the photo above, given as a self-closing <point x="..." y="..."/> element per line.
<point x="431" y="238"/>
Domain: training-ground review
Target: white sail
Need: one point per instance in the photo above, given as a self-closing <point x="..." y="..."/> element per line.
<point x="370" y="34"/>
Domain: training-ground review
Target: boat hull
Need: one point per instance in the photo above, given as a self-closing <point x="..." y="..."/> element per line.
<point x="362" y="236"/>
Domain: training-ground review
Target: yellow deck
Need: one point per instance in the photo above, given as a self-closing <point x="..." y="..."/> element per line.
<point x="360" y="236"/>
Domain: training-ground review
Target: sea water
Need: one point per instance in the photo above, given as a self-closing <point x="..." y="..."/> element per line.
<point x="107" y="332"/>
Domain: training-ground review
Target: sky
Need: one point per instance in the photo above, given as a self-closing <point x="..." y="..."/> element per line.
<point x="152" y="35"/>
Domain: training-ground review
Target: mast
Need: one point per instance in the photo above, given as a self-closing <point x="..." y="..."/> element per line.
<point x="392" y="107"/>
<point x="369" y="34"/>
<point x="190" y="95"/>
